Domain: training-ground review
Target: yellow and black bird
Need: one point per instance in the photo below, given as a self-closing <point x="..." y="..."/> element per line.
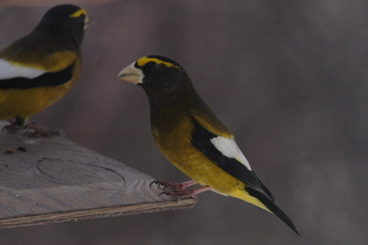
<point x="40" y="68"/>
<point x="192" y="138"/>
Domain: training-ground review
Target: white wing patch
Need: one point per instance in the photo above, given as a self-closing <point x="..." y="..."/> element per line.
<point x="230" y="149"/>
<point x="8" y="71"/>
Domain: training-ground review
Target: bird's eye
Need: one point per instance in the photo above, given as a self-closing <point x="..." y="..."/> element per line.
<point x="151" y="66"/>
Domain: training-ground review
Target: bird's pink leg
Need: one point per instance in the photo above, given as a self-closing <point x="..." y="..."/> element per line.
<point x="178" y="189"/>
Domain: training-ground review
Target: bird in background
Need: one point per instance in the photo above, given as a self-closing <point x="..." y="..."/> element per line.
<point x="40" y="68"/>
<point x="192" y="138"/>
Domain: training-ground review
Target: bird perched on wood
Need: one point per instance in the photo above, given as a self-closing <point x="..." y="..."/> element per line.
<point x="40" y="68"/>
<point x="192" y="138"/>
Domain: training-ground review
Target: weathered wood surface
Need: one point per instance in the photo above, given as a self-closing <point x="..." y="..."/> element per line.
<point x="57" y="180"/>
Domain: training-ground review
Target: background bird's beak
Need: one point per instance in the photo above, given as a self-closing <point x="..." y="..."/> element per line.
<point x="89" y="22"/>
<point x="131" y="74"/>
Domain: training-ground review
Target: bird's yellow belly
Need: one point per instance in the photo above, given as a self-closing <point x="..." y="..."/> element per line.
<point x="27" y="102"/>
<point x="199" y="168"/>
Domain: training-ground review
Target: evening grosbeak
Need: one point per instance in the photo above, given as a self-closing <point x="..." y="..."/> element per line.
<point x="192" y="138"/>
<point x="40" y="68"/>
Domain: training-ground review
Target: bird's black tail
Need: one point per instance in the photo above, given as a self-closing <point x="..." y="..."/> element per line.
<point x="270" y="204"/>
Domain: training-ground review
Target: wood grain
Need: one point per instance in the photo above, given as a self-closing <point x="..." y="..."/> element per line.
<point x="57" y="180"/>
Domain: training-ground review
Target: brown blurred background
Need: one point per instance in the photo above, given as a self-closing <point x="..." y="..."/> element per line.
<point x="289" y="79"/>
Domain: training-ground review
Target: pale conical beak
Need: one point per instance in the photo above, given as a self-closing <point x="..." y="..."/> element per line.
<point x="89" y="22"/>
<point x="131" y="74"/>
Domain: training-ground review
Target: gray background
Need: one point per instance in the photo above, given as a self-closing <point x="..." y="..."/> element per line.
<point x="289" y="79"/>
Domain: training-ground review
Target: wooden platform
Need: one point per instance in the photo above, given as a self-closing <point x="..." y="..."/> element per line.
<point x="49" y="180"/>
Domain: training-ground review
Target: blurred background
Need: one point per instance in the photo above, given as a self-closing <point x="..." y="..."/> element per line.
<point x="288" y="78"/>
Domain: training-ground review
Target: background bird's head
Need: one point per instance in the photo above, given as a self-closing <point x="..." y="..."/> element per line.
<point x="66" y="19"/>
<point x="163" y="80"/>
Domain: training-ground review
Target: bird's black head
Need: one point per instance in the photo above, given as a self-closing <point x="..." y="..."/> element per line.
<point x="163" y="80"/>
<point x="161" y="74"/>
<point x="65" y="19"/>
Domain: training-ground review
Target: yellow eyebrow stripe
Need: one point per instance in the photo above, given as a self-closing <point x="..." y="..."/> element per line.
<point x="144" y="60"/>
<point x="78" y="13"/>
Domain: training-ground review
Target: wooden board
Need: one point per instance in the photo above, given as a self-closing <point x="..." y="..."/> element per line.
<point x="57" y="180"/>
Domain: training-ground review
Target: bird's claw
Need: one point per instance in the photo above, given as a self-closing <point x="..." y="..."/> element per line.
<point x="170" y="185"/>
<point x="174" y="189"/>
<point x="9" y="128"/>
<point x="13" y="126"/>
<point x="39" y="131"/>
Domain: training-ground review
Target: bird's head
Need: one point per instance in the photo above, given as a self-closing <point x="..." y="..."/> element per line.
<point x="69" y="18"/>
<point x="163" y="79"/>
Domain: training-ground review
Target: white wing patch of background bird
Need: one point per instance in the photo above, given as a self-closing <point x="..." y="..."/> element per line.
<point x="8" y="71"/>
<point x="229" y="148"/>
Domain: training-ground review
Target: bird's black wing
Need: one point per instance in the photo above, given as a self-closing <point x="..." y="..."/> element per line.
<point x="201" y="140"/>
<point x="50" y="79"/>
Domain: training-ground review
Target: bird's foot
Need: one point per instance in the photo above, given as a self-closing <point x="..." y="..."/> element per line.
<point x="172" y="185"/>
<point x="180" y="194"/>
<point x="178" y="189"/>
<point x="13" y="126"/>
<point x="40" y="131"/>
